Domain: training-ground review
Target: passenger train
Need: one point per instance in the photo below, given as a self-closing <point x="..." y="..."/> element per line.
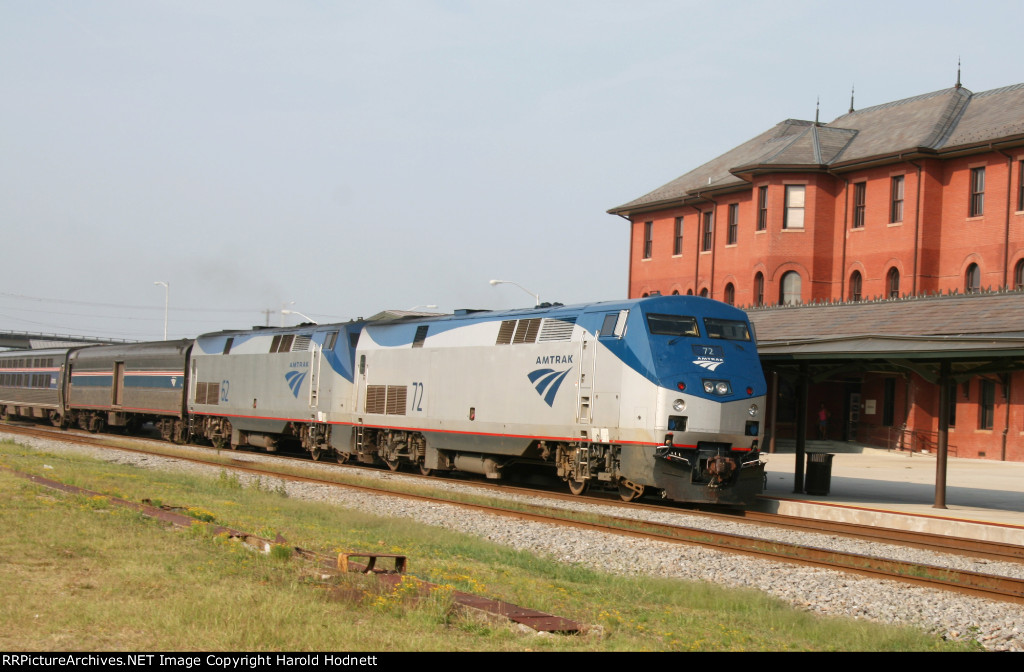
<point x="661" y="395"/>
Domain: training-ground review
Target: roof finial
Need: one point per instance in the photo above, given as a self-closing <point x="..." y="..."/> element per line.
<point x="851" y="99"/>
<point x="817" y="107"/>
<point x="958" y="84"/>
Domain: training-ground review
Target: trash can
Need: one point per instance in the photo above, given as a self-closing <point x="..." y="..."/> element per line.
<point x="819" y="473"/>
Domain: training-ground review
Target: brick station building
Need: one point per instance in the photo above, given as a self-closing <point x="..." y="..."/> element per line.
<point x="920" y="196"/>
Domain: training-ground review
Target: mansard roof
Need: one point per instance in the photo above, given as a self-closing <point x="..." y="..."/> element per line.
<point x="949" y="121"/>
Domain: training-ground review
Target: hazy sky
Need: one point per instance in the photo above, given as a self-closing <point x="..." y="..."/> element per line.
<point x="355" y="156"/>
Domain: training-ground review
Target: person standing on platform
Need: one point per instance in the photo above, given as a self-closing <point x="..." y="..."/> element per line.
<point x="823" y="416"/>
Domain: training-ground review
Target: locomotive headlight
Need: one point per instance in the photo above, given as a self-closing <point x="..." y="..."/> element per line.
<point x="719" y="387"/>
<point x="678" y="405"/>
<point x="753" y="410"/>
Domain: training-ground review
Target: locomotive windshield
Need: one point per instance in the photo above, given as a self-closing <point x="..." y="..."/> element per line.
<point x="672" y="325"/>
<point x="731" y="330"/>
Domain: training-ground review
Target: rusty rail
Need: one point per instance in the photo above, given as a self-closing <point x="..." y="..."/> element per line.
<point x="984" y="585"/>
<point x="537" y="620"/>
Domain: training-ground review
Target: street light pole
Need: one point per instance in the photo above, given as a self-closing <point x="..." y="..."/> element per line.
<point x="295" y="312"/>
<point x="167" y="300"/>
<point x="536" y="297"/>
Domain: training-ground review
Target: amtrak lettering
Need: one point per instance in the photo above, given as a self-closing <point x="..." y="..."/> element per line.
<point x="554" y="359"/>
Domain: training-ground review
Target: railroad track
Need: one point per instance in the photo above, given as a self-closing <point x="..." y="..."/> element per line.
<point x="968" y="582"/>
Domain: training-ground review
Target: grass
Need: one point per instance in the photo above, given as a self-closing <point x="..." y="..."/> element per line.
<point x="80" y="574"/>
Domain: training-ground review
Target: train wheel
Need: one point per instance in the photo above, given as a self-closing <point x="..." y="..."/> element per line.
<point x="392" y="464"/>
<point x="341" y="457"/>
<point x="425" y="470"/>
<point x="315" y="454"/>
<point x="577" y="487"/>
<point x="96" y="425"/>
<point x="628" y="494"/>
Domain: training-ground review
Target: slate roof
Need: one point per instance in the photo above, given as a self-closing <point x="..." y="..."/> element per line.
<point x="945" y="121"/>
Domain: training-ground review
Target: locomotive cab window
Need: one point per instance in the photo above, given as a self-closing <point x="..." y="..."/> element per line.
<point x="672" y="325"/>
<point x="614" y="324"/>
<point x="730" y="330"/>
<point x="608" y="326"/>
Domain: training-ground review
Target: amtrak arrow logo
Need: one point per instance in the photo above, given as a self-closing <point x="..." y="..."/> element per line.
<point x="547" y="382"/>
<point x="710" y="366"/>
<point x="295" y="379"/>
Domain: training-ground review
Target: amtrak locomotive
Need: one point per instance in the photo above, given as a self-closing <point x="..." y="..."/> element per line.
<point x="662" y="395"/>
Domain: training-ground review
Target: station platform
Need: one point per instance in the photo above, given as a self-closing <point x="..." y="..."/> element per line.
<point x="896" y="489"/>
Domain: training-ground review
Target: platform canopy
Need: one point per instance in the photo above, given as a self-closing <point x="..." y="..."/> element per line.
<point x="942" y="338"/>
<point x="975" y="333"/>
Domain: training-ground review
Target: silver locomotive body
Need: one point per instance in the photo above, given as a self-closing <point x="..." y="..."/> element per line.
<point x="661" y="394"/>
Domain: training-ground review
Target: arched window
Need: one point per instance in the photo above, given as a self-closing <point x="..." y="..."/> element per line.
<point x="855" y="286"/>
<point x="892" y="283"/>
<point x="1018" y="275"/>
<point x="704" y="292"/>
<point x="644" y="295"/>
<point x="972" y="279"/>
<point x="730" y="294"/>
<point x="675" y="292"/>
<point x="789" y="288"/>
<point x="759" y="289"/>
<point x="689" y="292"/>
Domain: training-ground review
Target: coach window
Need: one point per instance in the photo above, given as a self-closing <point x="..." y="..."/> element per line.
<point x="789" y="290"/>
